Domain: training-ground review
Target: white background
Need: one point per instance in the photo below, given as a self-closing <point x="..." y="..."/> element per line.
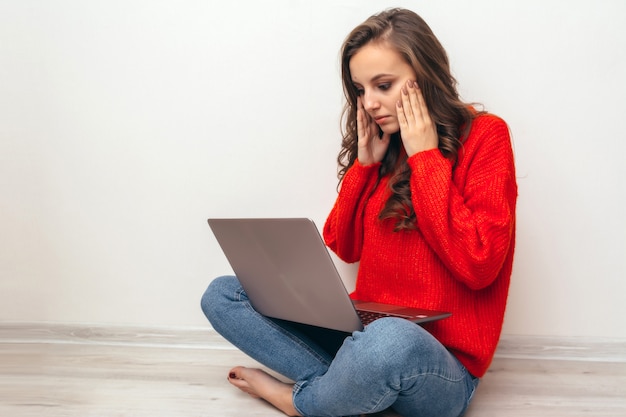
<point x="125" y="124"/>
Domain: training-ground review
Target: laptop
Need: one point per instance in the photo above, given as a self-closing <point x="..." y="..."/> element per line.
<point x="287" y="273"/>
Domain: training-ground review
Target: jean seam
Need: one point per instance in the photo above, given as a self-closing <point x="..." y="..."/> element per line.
<point x="432" y="373"/>
<point x="297" y="387"/>
<point x="380" y="400"/>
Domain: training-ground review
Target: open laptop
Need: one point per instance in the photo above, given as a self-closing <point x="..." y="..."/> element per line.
<point x="287" y="273"/>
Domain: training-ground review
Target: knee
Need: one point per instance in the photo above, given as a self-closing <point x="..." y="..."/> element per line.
<point x="397" y="340"/>
<point x="392" y="328"/>
<point x="217" y="295"/>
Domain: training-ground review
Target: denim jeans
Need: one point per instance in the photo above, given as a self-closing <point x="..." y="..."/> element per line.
<point x="391" y="363"/>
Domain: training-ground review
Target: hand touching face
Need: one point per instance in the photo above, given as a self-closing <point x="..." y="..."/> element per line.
<point x="388" y="102"/>
<point x="417" y="129"/>
<point x="371" y="145"/>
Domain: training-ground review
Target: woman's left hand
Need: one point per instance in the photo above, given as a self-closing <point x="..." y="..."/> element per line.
<point x="417" y="129"/>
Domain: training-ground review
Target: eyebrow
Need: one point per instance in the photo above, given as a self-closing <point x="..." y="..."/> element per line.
<point x="375" y="78"/>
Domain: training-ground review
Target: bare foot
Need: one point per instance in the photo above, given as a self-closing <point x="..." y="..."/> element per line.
<point x="260" y="384"/>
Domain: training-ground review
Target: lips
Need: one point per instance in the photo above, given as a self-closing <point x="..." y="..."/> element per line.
<point x="381" y="119"/>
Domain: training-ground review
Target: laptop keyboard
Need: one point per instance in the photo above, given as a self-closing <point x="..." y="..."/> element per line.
<point x="369" y="316"/>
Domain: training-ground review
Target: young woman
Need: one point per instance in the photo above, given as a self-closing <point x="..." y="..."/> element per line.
<point x="427" y="205"/>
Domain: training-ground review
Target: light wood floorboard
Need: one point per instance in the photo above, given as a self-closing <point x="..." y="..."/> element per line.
<point x="66" y="371"/>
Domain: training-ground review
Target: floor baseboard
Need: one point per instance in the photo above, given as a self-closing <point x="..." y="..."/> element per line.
<point x="562" y="348"/>
<point x="510" y="346"/>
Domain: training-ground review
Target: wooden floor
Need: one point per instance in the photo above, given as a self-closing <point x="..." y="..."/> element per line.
<point x="56" y="370"/>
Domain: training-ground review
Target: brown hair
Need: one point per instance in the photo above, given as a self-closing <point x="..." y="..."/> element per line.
<point x="410" y="36"/>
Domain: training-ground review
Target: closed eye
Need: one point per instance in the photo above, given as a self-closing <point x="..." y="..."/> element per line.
<point x="383" y="87"/>
<point x="359" y="90"/>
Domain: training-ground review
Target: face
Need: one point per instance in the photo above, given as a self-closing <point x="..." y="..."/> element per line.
<point x="378" y="74"/>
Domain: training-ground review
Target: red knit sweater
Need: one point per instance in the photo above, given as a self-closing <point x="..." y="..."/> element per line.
<point x="460" y="257"/>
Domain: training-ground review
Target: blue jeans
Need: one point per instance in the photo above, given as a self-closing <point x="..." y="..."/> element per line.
<point x="391" y="363"/>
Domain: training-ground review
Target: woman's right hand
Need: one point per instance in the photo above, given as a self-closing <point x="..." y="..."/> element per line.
<point x="371" y="145"/>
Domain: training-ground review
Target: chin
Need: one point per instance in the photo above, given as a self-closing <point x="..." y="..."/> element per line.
<point x="390" y="130"/>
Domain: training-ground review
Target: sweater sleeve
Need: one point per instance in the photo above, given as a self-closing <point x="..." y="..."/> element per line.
<point x="468" y="217"/>
<point x="343" y="230"/>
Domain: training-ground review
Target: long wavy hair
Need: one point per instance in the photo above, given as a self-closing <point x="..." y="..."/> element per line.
<point x="410" y="36"/>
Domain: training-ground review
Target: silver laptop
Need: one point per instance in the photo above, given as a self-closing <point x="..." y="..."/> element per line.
<point x="287" y="273"/>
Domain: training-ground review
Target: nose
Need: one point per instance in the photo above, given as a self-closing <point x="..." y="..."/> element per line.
<point x="370" y="101"/>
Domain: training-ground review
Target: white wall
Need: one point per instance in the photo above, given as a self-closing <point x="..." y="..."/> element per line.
<point x="125" y="124"/>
